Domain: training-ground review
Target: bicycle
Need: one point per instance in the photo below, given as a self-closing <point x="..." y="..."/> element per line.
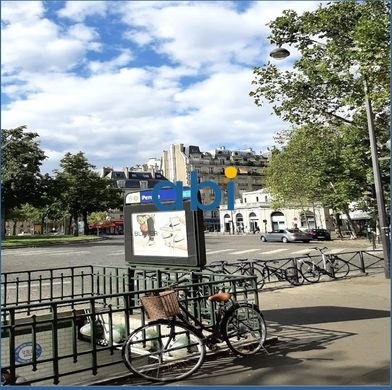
<point x="290" y="274"/>
<point x="173" y="346"/>
<point x="241" y="266"/>
<point x="333" y="266"/>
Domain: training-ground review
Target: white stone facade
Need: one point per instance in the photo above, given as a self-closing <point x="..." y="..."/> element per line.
<point x="254" y="213"/>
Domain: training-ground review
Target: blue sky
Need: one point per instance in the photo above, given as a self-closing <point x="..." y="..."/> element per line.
<point x="122" y="81"/>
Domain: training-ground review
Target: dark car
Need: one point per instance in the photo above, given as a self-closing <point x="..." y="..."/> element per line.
<point x="319" y="234"/>
<point x="286" y="235"/>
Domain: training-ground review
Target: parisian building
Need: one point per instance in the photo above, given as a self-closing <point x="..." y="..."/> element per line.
<point x="138" y="178"/>
<point x="253" y="213"/>
<point x="179" y="161"/>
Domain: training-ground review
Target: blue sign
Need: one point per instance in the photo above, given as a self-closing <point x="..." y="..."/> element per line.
<point x="24" y="352"/>
<point x="164" y="195"/>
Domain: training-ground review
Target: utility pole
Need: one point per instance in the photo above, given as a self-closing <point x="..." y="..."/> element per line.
<point x="382" y="219"/>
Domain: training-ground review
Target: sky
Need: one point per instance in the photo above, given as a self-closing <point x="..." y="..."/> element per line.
<point x="122" y="80"/>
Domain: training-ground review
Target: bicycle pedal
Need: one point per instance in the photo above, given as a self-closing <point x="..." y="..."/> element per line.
<point x="213" y="347"/>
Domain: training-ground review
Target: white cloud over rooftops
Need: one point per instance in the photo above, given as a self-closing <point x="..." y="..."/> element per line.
<point x="121" y="81"/>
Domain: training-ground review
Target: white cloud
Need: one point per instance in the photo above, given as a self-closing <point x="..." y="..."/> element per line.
<point x="122" y="115"/>
<point x="15" y="11"/>
<point x="79" y="10"/>
<point x="41" y="46"/>
<point x="106" y="66"/>
<point x="125" y="117"/>
<point x="205" y="33"/>
<point x="139" y="37"/>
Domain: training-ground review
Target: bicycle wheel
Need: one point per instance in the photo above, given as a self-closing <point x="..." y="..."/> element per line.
<point x="310" y="271"/>
<point x="163" y="351"/>
<point x="260" y="277"/>
<point x="294" y="276"/>
<point x="339" y="267"/>
<point x="244" y="329"/>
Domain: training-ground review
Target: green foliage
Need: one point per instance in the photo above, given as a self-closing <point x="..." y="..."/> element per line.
<point x="21" y="158"/>
<point x="83" y="191"/>
<point x="318" y="164"/>
<point x="328" y="157"/>
<point x="25" y="212"/>
<point x="339" y="45"/>
<point x="98" y="216"/>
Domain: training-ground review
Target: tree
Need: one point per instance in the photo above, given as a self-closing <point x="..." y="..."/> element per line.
<point x="83" y="190"/>
<point x="101" y="195"/>
<point x="317" y="165"/>
<point x="23" y="213"/>
<point x="340" y="45"/>
<point x="21" y="158"/>
<point x="49" y="205"/>
<point x="97" y="217"/>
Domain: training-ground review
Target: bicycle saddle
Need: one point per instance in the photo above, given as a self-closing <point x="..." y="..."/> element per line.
<point x="221" y="296"/>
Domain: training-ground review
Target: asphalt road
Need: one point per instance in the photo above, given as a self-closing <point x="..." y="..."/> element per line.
<point x="110" y="252"/>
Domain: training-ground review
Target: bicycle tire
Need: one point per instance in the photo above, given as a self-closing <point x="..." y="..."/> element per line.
<point x="164" y="351"/>
<point x="294" y="276"/>
<point x="310" y="272"/>
<point x="260" y="278"/>
<point x="340" y="268"/>
<point x="244" y="329"/>
<point x="259" y="275"/>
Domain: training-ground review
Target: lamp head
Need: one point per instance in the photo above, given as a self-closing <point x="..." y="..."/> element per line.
<point x="279" y="53"/>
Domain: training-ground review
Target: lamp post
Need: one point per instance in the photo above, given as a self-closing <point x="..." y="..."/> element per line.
<point x="280" y="53"/>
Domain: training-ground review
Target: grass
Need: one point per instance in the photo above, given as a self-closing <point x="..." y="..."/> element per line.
<point x="41" y="240"/>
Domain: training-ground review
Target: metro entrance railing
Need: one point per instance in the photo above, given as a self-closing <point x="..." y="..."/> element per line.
<point x="76" y="324"/>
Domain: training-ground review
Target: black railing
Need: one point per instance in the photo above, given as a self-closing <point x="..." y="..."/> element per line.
<point x="63" y="336"/>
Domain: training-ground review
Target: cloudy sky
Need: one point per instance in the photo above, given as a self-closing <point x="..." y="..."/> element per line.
<point x="122" y="81"/>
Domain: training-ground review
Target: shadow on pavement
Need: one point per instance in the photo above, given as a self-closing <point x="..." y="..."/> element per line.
<point x="291" y="339"/>
<point x="321" y="314"/>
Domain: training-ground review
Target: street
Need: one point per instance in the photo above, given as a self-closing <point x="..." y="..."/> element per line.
<point x="110" y="252"/>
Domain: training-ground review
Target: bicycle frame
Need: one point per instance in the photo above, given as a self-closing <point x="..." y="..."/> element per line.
<point x="327" y="260"/>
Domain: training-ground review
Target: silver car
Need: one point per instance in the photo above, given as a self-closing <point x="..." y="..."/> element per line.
<point x="285" y="235"/>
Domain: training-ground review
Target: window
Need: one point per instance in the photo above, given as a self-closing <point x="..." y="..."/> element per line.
<point x="143" y="184"/>
<point x="257" y="198"/>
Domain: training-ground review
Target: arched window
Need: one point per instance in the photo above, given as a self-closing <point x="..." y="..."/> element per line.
<point x="277" y="220"/>
<point x="227" y="223"/>
<point x="239" y="219"/>
<point x="308" y="220"/>
<point x="253" y="222"/>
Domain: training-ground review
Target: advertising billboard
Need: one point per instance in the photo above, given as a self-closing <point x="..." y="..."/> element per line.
<point x="164" y="238"/>
<point x="161" y="233"/>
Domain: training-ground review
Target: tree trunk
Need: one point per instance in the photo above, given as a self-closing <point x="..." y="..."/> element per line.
<point x="42" y="223"/>
<point x="14" y="228"/>
<point x="69" y="226"/>
<point x="76" y="225"/>
<point x="3" y="219"/>
<point x="85" y="223"/>
<point x="338" y="225"/>
<point x="352" y="227"/>
<point x="314" y="214"/>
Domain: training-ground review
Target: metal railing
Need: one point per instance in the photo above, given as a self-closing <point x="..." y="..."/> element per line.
<point x="362" y="261"/>
<point x="109" y="301"/>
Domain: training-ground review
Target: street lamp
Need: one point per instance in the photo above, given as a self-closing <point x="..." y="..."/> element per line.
<point x="280" y="53"/>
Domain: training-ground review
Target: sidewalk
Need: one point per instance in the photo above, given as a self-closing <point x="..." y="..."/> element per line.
<point x="332" y="333"/>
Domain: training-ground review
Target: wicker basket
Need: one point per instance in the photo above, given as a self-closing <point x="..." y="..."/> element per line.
<point x="161" y="306"/>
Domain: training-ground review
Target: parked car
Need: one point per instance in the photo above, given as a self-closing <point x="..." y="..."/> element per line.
<point x="286" y="235"/>
<point x="319" y="234"/>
